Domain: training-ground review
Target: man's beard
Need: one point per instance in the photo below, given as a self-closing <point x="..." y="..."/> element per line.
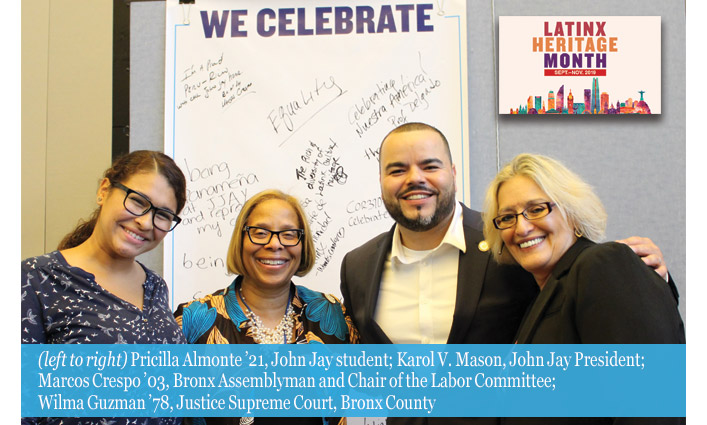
<point x="443" y="208"/>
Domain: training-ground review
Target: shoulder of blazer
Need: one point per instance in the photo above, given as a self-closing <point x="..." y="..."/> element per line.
<point x="472" y="218"/>
<point x="473" y="225"/>
<point x="370" y="247"/>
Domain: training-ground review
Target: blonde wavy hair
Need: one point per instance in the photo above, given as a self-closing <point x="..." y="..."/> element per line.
<point x="574" y="199"/>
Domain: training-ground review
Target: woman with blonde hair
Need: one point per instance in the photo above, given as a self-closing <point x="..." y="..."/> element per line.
<point x="545" y="218"/>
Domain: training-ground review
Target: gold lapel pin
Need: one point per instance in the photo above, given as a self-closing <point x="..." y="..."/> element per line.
<point x="483" y="246"/>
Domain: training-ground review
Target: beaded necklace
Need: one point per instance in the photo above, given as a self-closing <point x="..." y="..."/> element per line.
<point x="263" y="335"/>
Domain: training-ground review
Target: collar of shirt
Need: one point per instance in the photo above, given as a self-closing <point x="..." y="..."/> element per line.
<point x="453" y="237"/>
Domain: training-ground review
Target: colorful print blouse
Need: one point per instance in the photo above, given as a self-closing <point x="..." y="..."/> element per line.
<point x="218" y="319"/>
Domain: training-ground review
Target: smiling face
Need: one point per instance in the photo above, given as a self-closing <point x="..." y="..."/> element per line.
<point x="272" y="265"/>
<point x="122" y="234"/>
<point x="417" y="179"/>
<point x="536" y="245"/>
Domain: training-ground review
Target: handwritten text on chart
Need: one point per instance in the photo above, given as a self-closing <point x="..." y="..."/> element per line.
<point x="215" y="195"/>
<point x="286" y="118"/>
<point x="391" y="101"/>
<point x="321" y="169"/>
<point x="213" y="82"/>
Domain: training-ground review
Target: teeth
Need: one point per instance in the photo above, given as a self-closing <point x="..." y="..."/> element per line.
<point x="531" y="242"/>
<point x="135" y="235"/>
<point x="273" y="262"/>
<point x="415" y="197"/>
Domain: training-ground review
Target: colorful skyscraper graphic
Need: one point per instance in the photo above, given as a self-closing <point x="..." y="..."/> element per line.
<point x="594" y="102"/>
<point x="596" y="107"/>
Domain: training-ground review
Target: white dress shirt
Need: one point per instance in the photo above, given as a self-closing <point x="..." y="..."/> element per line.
<point x="419" y="288"/>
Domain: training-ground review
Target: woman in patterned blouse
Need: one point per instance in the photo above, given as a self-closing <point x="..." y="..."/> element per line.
<point x="92" y="290"/>
<point x="271" y="243"/>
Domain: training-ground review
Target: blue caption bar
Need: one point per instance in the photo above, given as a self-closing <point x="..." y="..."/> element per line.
<point x="353" y="380"/>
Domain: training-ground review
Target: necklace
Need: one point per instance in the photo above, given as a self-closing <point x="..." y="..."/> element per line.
<point x="263" y="335"/>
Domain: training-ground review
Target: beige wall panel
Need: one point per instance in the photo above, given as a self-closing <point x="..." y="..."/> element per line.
<point x="79" y="106"/>
<point x="35" y="51"/>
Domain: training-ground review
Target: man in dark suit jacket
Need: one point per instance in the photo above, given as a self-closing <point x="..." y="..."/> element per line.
<point x="490" y="301"/>
<point x="418" y="189"/>
<point x="434" y="237"/>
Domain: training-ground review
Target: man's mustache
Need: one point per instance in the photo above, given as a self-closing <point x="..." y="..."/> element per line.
<point x="414" y="188"/>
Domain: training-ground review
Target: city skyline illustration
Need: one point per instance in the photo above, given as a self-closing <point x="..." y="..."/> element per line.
<point x="590" y="101"/>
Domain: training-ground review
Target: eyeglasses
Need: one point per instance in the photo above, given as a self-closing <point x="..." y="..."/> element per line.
<point x="137" y="204"/>
<point x="533" y="212"/>
<point x="261" y="236"/>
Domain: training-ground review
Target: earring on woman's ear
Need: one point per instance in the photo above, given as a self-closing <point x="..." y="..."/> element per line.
<point x="500" y="251"/>
<point x="578" y="233"/>
<point x="100" y="199"/>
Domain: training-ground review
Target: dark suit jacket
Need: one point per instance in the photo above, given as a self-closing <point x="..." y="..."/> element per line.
<point x="491" y="299"/>
<point x="602" y="294"/>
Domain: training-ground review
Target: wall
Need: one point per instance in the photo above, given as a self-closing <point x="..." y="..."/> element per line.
<point x="66" y="115"/>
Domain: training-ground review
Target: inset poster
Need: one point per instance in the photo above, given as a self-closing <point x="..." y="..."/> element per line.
<point x="579" y="65"/>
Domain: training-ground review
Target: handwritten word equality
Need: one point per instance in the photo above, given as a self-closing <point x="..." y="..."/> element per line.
<point x="284" y="115"/>
<point x="294" y="22"/>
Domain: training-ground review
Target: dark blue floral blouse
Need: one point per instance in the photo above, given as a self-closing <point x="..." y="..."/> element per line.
<point x="62" y="304"/>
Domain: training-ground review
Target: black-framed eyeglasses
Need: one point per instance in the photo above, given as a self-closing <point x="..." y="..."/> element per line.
<point x="262" y="236"/>
<point x="138" y="205"/>
<point x="533" y="212"/>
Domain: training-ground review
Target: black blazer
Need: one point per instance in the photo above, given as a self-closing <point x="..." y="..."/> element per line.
<point x="602" y="294"/>
<point x="491" y="299"/>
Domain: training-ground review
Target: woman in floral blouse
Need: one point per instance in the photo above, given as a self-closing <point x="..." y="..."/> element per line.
<point x="271" y="243"/>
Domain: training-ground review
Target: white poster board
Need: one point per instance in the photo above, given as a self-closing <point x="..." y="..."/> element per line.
<point x="297" y="97"/>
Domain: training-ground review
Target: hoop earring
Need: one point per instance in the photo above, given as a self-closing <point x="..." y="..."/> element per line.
<point x="578" y="233"/>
